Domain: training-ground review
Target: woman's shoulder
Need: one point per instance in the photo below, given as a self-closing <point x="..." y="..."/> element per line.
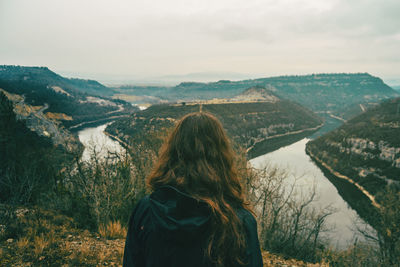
<point x="143" y="203"/>
<point x="140" y="210"/>
<point x="246" y="217"/>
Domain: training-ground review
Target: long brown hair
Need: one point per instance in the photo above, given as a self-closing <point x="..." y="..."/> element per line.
<point x="198" y="159"/>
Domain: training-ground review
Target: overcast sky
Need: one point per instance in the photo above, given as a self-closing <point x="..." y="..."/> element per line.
<point x="152" y="38"/>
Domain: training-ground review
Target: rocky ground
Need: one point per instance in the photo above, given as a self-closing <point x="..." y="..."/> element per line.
<point x="35" y="237"/>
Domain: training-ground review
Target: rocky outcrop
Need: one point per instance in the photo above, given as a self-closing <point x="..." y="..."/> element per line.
<point x="47" y="125"/>
<point x="366" y="148"/>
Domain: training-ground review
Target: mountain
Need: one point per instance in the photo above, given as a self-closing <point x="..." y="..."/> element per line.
<point x="43" y="75"/>
<point x="38" y="111"/>
<point x="333" y="94"/>
<point x="256" y="93"/>
<point x="64" y="101"/>
<point x="365" y="150"/>
<point x="258" y="126"/>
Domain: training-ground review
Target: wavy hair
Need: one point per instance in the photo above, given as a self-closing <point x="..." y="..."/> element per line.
<point x="198" y="159"/>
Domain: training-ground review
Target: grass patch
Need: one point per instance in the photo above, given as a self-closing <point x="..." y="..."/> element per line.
<point x="112" y="230"/>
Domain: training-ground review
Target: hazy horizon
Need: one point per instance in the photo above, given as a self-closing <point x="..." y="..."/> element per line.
<point x="162" y="41"/>
<point x="171" y="80"/>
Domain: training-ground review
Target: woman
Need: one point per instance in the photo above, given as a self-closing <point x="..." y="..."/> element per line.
<point x="196" y="215"/>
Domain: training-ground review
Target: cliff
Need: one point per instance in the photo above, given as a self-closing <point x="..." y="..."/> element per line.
<point x="64" y="100"/>
<point x="366" y="148"/>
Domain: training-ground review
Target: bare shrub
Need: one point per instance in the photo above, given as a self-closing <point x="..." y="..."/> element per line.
<point x="82" y="256"/>
<point x="289" y="224"/>
<point x="40" y="243"/>
<point x="360" y="254"/>
<point x="385" y="240"/>
<point x="105" y="188"/>
<point x="22" y="243"/>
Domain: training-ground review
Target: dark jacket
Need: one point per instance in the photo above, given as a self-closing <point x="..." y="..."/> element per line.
<point x="169" y="229"/>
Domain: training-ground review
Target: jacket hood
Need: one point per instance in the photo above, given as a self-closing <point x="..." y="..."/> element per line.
<point x="178" y="216"/>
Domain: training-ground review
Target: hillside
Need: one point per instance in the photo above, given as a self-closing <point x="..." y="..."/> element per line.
<point x="257" y="126"/>
<point x="28" y="158"/>
<point x="59" y="242"/>
<point x="61" y="100"/>
<point x="45" y="76"/>
<point x="325" y="93"/>
<point x="366" y="149"/>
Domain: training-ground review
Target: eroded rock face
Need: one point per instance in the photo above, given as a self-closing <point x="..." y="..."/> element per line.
<point x="43" y="124"/>
<point x="370" y="150"/>
<point x="366" y="148"/>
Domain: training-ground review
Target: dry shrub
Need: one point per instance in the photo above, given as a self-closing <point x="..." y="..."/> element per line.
<point x="22" y="243"/>
<point x="289" y="224"/>
<point x="81" y="257"/>
<point x="120" y="255"/>
<point x="361" y="254"/>
<point x="31" y="231"/>
<point x="104" y="190"/>
<point x="45" y="225"/>
<point x="112" y="230"/>
<point x="101" y="256"/>
<point x="40" y="243"/>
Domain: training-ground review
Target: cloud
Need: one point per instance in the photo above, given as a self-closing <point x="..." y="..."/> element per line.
<point x="158" y="37"/>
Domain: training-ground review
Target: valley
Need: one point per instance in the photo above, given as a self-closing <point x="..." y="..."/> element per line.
<point x="348" y="124"/>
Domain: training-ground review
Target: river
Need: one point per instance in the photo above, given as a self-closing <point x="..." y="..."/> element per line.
<point x="292" y="158"/>
<point x="94" y="139"/>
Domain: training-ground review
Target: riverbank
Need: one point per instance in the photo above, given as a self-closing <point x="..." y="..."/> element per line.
<point x="95" y="139"/>
<point x="354" y="195"/>
<point x="308" y="176"/>
<point x="95" y="123"/>
<point x="341" y="176"/>
<point x="272" y="143"/>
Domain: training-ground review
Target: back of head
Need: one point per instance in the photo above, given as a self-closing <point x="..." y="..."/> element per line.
<point x="197" y="158"/>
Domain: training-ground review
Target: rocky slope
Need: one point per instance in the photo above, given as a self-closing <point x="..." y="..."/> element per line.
<point x="46" y="125"/>
<point x="366" y="149"/>
<point x="37" y="237"/>
<point x="60" y="99"/>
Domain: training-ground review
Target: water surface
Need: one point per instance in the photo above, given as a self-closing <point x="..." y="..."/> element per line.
<point x="95" y="140"/>
<point x="294" y="159"/>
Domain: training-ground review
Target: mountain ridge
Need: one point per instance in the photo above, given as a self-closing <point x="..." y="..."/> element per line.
<point x="334" y="93"/>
